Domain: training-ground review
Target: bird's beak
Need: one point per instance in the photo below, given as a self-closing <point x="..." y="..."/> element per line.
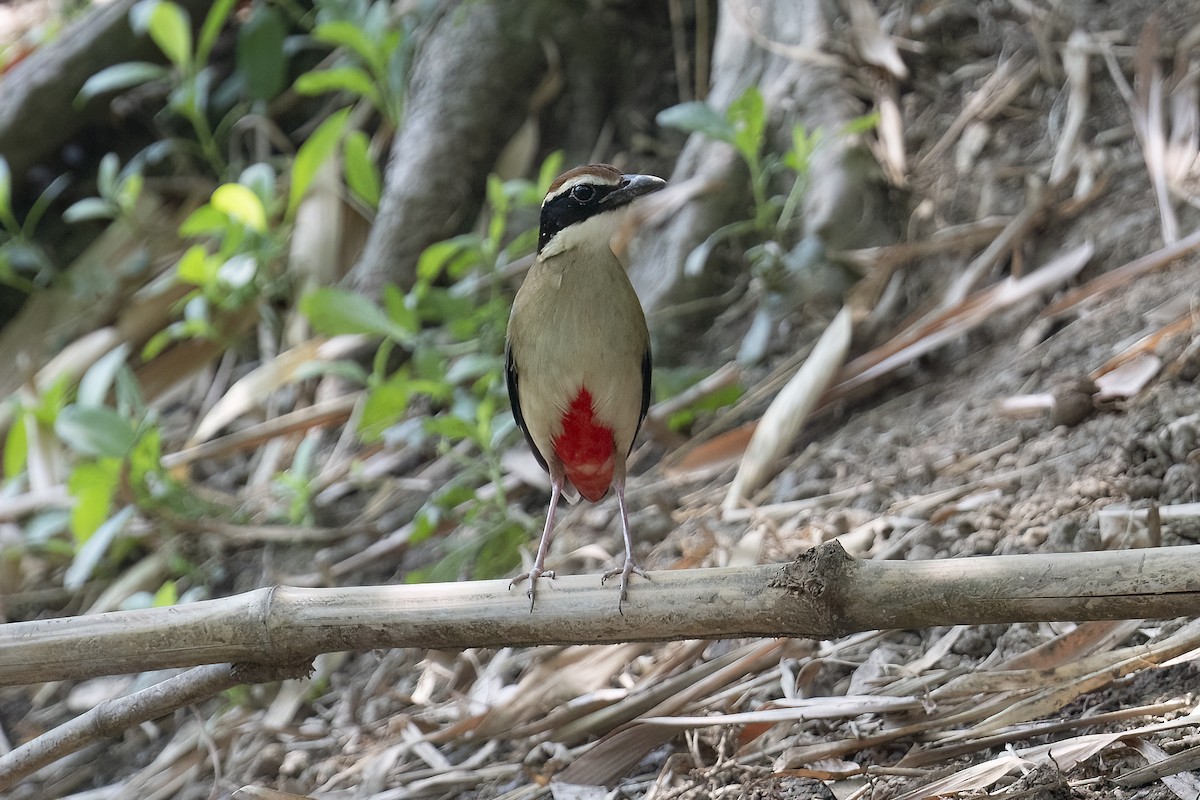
<point x="631" y="188"/>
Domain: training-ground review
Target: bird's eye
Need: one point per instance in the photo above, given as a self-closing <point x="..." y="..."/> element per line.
<point x="583" y="193"/>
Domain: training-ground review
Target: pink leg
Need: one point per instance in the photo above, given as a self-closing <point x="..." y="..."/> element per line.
<point x="631" y="565"/>
<point x="539" y="562"/>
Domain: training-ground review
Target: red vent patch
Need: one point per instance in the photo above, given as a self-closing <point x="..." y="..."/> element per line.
<point x="585" y="448"/>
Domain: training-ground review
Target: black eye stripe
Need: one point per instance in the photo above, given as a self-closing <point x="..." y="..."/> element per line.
<point x="568" y="207"/>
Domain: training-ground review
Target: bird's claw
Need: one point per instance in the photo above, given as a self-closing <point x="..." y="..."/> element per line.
<point x="631" y="568"/>
<point x="532" y="576"/>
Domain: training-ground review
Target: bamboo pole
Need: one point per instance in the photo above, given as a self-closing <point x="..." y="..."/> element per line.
<point x="824" y="594"/>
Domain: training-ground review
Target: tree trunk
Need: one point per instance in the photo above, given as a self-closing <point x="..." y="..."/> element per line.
<point x="784" y="49"/>
<point x="37" y="113"/>
<point x="469" y="94"/>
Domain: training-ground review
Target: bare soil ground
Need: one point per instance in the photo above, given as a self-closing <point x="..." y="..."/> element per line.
<point x="928" y="465"/>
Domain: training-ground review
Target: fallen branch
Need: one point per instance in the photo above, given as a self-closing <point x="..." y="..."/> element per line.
<point x="112" y="717"/>
<point x="824" y="594"/>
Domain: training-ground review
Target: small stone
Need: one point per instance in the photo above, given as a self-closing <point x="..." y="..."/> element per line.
<point x="1073" y="401"/>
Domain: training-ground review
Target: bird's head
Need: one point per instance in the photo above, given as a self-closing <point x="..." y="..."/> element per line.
<point x="582" y="208"/>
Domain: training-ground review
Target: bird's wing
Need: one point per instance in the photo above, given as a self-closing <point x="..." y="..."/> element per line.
<point x="514" y="398"/>
<point x="645" y="395"/>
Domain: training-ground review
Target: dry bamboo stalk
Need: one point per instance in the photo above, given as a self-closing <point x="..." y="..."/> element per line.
<point x="1160" y="258"/>
<point x="779" y="426"/>
<point x="111" y="717"/>
<point x="329" y="412"/>
<point x="824" y="594"/>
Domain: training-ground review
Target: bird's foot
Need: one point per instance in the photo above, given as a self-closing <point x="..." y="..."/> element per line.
<point x="631" y="568"/>
<point x="532" y="575"/>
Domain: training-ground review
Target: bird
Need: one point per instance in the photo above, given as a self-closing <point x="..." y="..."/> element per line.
<point x="577" y="351"/>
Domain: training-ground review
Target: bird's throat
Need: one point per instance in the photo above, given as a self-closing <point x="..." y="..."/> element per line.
<point x="585" y="448"/>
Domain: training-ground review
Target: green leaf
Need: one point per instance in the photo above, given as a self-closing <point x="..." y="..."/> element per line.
<point x="129" y="190"/>
<point x="128" y="393"/>
<point x="118" y="77"/>
<point x="146" y="458"/>
<point x="302" y="462"/>
<point x="497" y="198"/>
<point x="93" y="484"/>
<point x="205" y="220"/>
<point x="92" y="552"/>
<point x="43" y="203"/>
<point x="343" y="33"/>
<point x="348" y="371"/>
<point x="524" y="194"/>
<point x="436" y="389"/>
<point x="803" y="145"/>
<point x="16" y="445"/>
<point x="387" y="403"/>
<point x="171" y="30"/>
<point x="362" y="176"/>
<point x="260" y="178"/>
<point x="395" y="302"/>
<point x="238" y="271"/>
<point x="863" y="124"/>
<point x="240" y="203"/>
<point x="450" y="427"/>
<point x="455" y="495"/>
<point x="312" y="155"/>
<point x="497" y="553"/>
<point x="197" y="267"/>
<point x="478" y="553"/>
<point x="334" y="312"/>
<point x="550" y="170"/>
<point x="187" y="328"/>
<point x="378" y="25"/>
<point x="442" y="307"/>
<point x="5" y="185"/>
<point x="7" y="218"/>
<point x="167" y="595"/>
<point x="189" y="98"/>
<point x="52" y="400"/>
<point x="748" y="114"/>
<point x="425" y="524"/>
<point x="139" y="16"/>
<point x="42" y="529"/>
<point x="89" y="208"/>
<point x="159" y="342"/>
<point x="95" y="383"/>
<point x="726" y="396"/>
<point x="451" y="256"/>
<point x="106" y="175"/>
<point x="697" y="117"/>
<point x="379" y="364"/>
<point x="196" y="309"/>
<point x="260" y="58"/>
<point x="522" y="244"/>
<point x="95" y="431"/>
<point x="504" y="425"/>
<point x="352" y="80"/>
<point x="498" y="206"/>
<point x="211" y="29"/>
<point x="472" y="366"/>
